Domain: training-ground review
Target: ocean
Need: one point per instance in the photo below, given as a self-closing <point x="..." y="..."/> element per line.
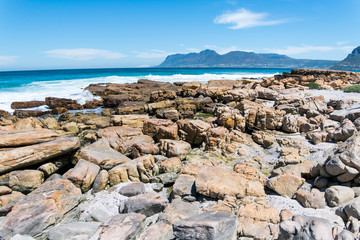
<point x="38" y="84"/>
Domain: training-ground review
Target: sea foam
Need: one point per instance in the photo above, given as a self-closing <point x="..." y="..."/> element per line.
<point x="74" y="88"/>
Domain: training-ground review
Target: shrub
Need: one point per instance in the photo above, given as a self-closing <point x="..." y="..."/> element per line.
<point x="313" y="85"/>
<point x="355" y="88"/>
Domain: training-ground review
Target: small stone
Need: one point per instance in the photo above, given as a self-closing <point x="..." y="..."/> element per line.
<point x="132" y="189"/>
<point x="168" y="178"/>
<point x="337" y="195"/>
<point x="286" y="214"/>
<point x="147" y="204"/>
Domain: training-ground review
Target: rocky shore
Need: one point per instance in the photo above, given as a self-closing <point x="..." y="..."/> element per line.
<point x="222" y="160"/>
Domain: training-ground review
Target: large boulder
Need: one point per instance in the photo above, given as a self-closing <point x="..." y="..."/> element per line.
<point x="121" y="227"/>
<point x="337" y="195"/>
<point x="42" y="208"/>
<point x="208" y="225"/>
<point x="30" y="155"/>
<point x="118" y="135"/>
<point x="217" y="182"/>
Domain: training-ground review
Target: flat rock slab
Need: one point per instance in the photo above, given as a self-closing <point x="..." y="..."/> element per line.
<point x="120" y="227"/>
<point x="26" y="137"/>
<point x="72" y="230"/>
<point x="102" y="154"/>
<point x="218" y="182"/>
<point x="27" y="156"/>
<point x="41" y="208"/>
<point x="207" y="225"/>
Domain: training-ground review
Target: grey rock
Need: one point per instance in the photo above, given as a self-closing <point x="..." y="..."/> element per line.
<point x="72" y="230"/>
<point x="120" y="227"/>
<point x="179" y="209"/>
<point x="168" y="178"/>
<point x="99" y="215"/>
<point x="22" y="237"/>
<point x="158" y="231"/>
<point x="54" y="176"/>
<point x="345" y="235"/>
<point x="147" y="204"/>
<point x="100" y="181"/>
<point x="25" y="181"/>
<point x="184" y="185"/>
<point x="132" y="189"/>
<point x="157" y="187"/>
<point x="337" y="195"/>
<point x="352" y="209"/>
<point x="304" y="227"/>
<point x="321" y="182"/>
<point x="208" y="225"/>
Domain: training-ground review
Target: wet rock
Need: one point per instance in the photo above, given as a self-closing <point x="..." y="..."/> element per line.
<point x="26" y="156"/>
<point x="313" y="199"/>
<point x="42" y="208"/>
<point x="101" y="154"/>
<point x="337" y="195"/>
<point x="122" y="227"/>
<point x="132" y="189"/>
<point x="25" y="181"/>
<point x="70" y="104"/>
<point x="285" y="185"/>
<point x="147" y="204"/>
<point x="207" y="225"/>
<point x="84" y="174"/>
<point x="174" y="148"/>
<point x="72" y="230"/>
<point x="100" y="181"/>
<point x="218" y="182"/>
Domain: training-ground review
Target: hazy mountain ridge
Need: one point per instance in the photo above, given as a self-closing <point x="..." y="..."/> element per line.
<point x="351" y="62"/>
<point x="210" y="58"/>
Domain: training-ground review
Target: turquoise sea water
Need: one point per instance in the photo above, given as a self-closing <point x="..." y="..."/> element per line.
<point x="36" y="85"/>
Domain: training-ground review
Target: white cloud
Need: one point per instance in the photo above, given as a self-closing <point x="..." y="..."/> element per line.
<point x="221" y="50"/>
<point x="155" y="53"/>
<point x="7" y="60"/>
<point x="243" y="18"/>
<point x="293" y="50"/>
<point x="340" y="43"/>
<point x="82" y="54"/>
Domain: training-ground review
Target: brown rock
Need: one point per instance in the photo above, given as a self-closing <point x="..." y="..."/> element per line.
<point x="167" y="132"/>
<point x="26" y="137"/>
<point x="218" y="182"/>
<point x="5" y="190"/>
<point x="25" y="181"/>
<point x="4" y="113"/>
<point x="135" y="121"/>
<point x="170" y="165"/>
<point x="263" y="138"/>
<point x="83" y="174"/>
<point x="144" y="148"/>
<point x="38" y="153"/>
<point x="259" y="212"/>
<point x="11" y="198"/>
<point x="193" y="131"/>
<point x="151" y="125"/>
<point x="174" y="148"/>
<point x="116" y="136"/>
<point x="101" y="154"/>
<point x="285" y="185"/>
<point x="100" y="181"/>
<point x="28" y="104"/>
<point x="139" y="169"/>
<point x="313" y="199"/>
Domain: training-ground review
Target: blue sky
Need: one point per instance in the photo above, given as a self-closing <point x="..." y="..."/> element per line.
<point x="50" y="34"/>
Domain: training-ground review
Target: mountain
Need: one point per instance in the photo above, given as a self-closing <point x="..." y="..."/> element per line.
<point x="351" y="62"/>
<point x="240" y="59"/>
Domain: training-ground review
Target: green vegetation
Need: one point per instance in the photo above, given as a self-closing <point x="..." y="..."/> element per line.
<point x="203" y="115"/>
<point x="313" y="85"/>
<point x="355" y="88"/>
